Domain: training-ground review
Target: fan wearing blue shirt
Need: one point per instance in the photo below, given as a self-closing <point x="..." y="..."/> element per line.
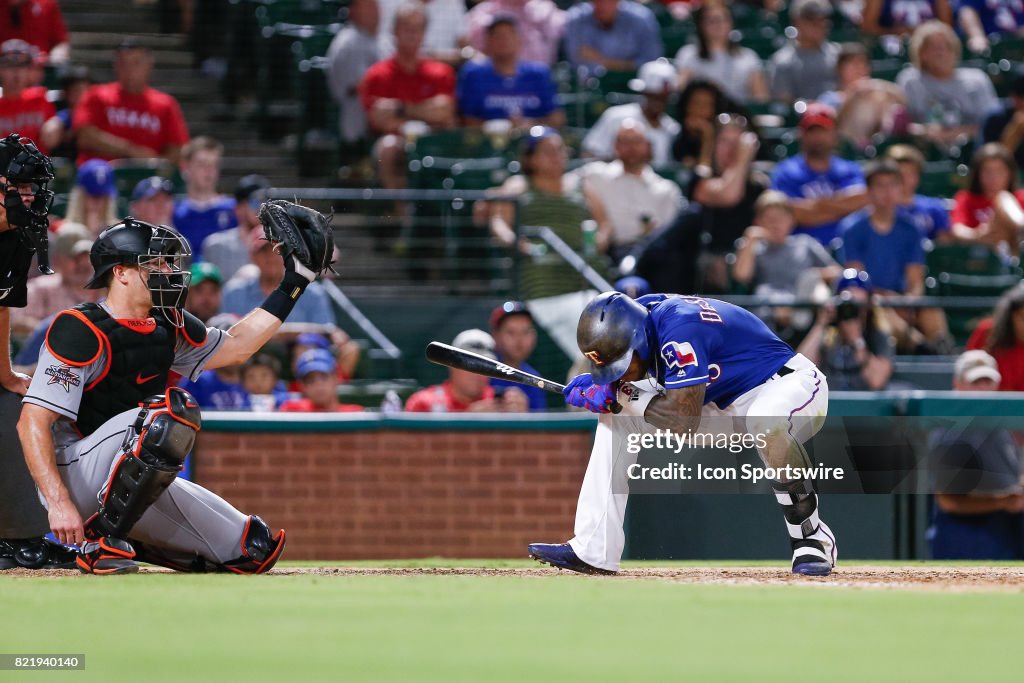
<point x="825" y="188"/>
<point x="928" y="214"/>
<point x="618" y="35"/>
<point x="502" y="87"/>
<point x="203" y="211"/>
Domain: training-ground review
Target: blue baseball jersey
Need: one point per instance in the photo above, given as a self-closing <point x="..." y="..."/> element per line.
<point x="707" y="341"/>
<point x="197" y="222"/>
<point x="928" y="214"/>
<point x="795" y="179"/>
<point x="483" y="93"/>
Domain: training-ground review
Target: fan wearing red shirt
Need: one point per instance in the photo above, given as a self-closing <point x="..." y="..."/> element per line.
<point x="990" y="209"/>
<point x="23" y="108"/>
<point x="127" y="118"/>
<point x="466" y="391"/>
<point x="405" y="88"/>
<point x="37" y="22"/>
<point x="1002" y="335"/>
<point x="316" y="372"/>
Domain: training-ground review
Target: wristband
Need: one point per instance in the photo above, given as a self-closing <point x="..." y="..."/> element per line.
<point x="282" y="300"/>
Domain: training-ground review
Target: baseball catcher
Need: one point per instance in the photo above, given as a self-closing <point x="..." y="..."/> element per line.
<point x="104" y="437"/>
<point x="25" y="177"/>
<point x="706" y="358"/>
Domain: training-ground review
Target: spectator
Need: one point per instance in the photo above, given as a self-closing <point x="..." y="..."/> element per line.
<point x="979" y="503"/>
<point x="929" y="214"/>
<point x="228" y="249"/>
<point x="51" y="294"/>
<point x="990" y="209"/>
<point x="865" y="106"/>
<point x="342" y="348"/>
<point x="515" y="338"/>
<point x="352" y="52"/>
<point x="718" y="58"/>
<point x="946" y="102"/>
<point x="771" y="261"/>
<point x="546" y="197"/>
<point x="849" y="341"/>
<point x="541" y="24"/>
<point x="127" y="118"/>
<point x="805" y="67"/>
<point x="93" y="199"/>
<point x="204" y="291"/>
<point x="1002" y="335"/>
<point x="57" y="133"/>
<point x="261" y="379"/>
<point x="219" y="389"/>
<point x="616" y="35"/>
<point x="248" y="288"/>
<point x="37" y="22"/>
<point x="726" y="192"/>
<point x="316" y="372"/>
<point x="656" y="81"/>
<point x="635" y="199"/>
<point x="152" y="201"/>
<point x="23" y="107"/>
<point x="825" y="187"/>
<point x="503" y="87"/>
<point x="700" y="105"/>
<point x="978" y="19"/>
<point x="203" y="211"/>
<point x="1005" y="124"/>
<point x="445" y="29"/>
<point x="466" y="391"/>
<point x="901" y="17"/>
<point x="405" y="88"/>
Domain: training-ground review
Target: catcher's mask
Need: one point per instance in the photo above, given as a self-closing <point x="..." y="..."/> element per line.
<point x="26" y="193"/>
<point x="160" y="252"/>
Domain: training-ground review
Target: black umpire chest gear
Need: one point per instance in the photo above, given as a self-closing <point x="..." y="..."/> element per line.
<point x="138" y="358"/>
<point x="15" y="261"/>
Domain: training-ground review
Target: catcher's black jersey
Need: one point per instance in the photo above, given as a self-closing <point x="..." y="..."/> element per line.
<point x="15" y="260"/>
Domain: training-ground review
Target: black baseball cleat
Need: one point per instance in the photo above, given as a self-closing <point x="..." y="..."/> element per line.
<point x="561" y="556"/>
<point x="35" y="553"/>
<point x="108" y="555"/>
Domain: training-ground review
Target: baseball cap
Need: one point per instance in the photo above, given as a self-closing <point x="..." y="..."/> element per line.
<point x="476" y="341"/>
<point x="506" y="309"/>
<point x="502" y="18"/>
<point x="851" y="277"/>
<point x="974" y="365"/>
<point x="96" y="177"/>
<point x="15" y="52"/>
<point x="810" y="9"/>
<point x="535" y="135"/>
<point x="66" y="239"/>
<point x="250" y="185"/>
<point x="205" y="272"/>
<point x="633" y="286"/>
<point x="315" y="360"/>
<point x="818" y="114"/>
<point x="658" y="76"/>
<point x="152" y="186"/>
<point x="313" y="339"/>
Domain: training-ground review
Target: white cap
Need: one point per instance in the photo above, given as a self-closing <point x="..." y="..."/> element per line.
<point x="974" y="365"/>
<point x="658" y="76"/>
<point x="477" y="341"/>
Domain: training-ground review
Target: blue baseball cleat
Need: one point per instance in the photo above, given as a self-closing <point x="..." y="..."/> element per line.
<point x="561" y="556"/>
<point x="815" y="555"/>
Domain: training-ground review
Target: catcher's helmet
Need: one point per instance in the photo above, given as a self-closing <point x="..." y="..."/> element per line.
<point x="161" y="251"/>
<point x="612" y="327"/>
<point x="28" y="174"/>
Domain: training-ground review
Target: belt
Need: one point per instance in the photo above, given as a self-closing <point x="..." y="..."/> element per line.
<point x="785" y="370"/>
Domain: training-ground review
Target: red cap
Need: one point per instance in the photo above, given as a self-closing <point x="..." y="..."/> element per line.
<point x="818" y="114"/>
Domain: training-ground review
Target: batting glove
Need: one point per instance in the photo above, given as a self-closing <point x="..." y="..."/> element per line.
<point x="583" y="393"/>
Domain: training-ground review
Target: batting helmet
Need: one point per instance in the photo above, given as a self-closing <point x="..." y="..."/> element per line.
<point x="162" y="254"/>
<point x="28" y="174"/>
<point x="612" y="327"/>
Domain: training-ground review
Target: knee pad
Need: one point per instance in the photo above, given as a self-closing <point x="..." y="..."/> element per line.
<point x="152" y="454"/>
<point x="260" y="549"/>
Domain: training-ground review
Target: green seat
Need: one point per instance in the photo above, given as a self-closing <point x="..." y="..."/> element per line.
<point x="942" y="178"/>
<point x="966" y="259"/>
<point x="128" y="172"/>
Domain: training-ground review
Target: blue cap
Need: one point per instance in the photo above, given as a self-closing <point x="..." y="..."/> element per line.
<point x="634" y="286"/>
<point x="313" y="339"/>
<point x="96" y="177"/>
<point x="852" y="277"/>
<point x="152" y="186"/>
<point x="535" y="135"/>
<point x="315" y="360"/>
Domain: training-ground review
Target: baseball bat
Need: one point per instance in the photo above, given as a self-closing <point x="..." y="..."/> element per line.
<point x="460" y="359"/>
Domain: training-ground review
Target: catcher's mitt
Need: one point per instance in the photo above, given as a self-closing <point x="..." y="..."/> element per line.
<point x="301" y="233"/>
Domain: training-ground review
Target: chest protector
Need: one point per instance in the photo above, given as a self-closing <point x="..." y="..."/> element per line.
<point x="137" y="358"/>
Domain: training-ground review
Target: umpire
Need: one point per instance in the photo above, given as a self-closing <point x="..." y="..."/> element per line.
<point x="25" y="177"/>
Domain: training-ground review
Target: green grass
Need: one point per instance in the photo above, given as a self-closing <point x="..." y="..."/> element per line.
<point x="494" y="628"/>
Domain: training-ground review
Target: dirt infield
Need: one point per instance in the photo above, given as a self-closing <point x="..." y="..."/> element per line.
<point x="922" y="577"/>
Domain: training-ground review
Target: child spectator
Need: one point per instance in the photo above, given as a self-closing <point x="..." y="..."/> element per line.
<point x="203" y="211"/>
<point x="261" y="379"/>
<point x="929" y="214"/>
<point x="316" y="374"/>
<point x="153" y="201"/>
<point x="93" y="200"/>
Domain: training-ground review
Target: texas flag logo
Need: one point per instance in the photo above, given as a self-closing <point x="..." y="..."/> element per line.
<point x="678" y="355"/>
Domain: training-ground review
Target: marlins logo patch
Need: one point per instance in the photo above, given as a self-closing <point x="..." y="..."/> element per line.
<point x="678" y="355"/>
<point x="64" y="376"/>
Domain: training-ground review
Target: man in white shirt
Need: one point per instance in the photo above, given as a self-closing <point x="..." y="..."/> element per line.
<point x="447" y="28"/>
<point x="657" y="81"/>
